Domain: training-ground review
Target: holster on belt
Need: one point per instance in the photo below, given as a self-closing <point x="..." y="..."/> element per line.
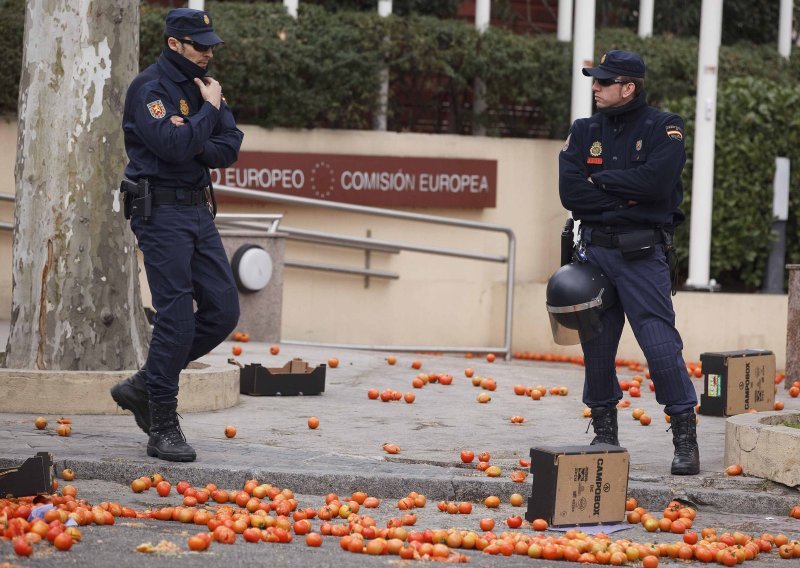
<point x="567" y="241"/>
<point x="137" y="198"/>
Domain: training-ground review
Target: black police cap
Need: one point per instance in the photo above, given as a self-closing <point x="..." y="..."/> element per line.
<point x="617" y="63"/>
<point x="196" y="24"/>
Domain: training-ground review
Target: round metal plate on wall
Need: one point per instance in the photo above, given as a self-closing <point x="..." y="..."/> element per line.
<point x="252" y="268"/>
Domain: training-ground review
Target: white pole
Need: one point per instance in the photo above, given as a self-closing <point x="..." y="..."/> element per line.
<point x="705" y="134"/>
<point x="379" y="122"/>
<point x="645" y="18"/>
<point x="482" y="17"/>
<point x="780" y="186"/>
<point x="582" y="56"/>
<point x="197" y="4"/>
<point x="482" y="11"/>
<point x="785" y="28"/>
<point x="291" y="7"/>
<point x="564" y="32"/>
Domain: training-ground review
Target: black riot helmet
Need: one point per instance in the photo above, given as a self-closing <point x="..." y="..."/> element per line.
<point x="577" y="295"/>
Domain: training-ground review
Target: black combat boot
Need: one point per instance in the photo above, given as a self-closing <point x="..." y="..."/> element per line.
<point x="131" y="394"/>
<point x="604" y="421"/>
<point x="684" y="438"/>
<point x="166" y="438"/>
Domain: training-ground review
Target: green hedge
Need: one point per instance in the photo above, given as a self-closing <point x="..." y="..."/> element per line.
<point x="12" y="26"/>
<point x="757" y="120"/>
<point x="323" y="71"/>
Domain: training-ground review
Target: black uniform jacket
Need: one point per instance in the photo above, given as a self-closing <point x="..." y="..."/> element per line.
<point x="175" y="157"/>
<point x="634" y="159"/>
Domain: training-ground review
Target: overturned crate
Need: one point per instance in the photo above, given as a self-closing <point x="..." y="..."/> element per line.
<point x="33" y="477"/>
<point x="294" y="378"/>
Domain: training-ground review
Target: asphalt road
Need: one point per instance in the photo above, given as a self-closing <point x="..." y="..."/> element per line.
<point x="115" y="545"/>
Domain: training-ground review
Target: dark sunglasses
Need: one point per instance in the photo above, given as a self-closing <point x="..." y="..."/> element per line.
<point x="201" y="47"/>
<point x="609" y="82"/>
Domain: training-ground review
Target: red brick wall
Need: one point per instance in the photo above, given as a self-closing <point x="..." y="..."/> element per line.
<point x="521" y="16"/>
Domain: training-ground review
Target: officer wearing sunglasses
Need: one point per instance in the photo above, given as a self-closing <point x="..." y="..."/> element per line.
<point x="620" y="175"/>
<point x="177" y="126"/>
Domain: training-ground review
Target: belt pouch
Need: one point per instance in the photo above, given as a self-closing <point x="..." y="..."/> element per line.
<point x="637" y="245"/>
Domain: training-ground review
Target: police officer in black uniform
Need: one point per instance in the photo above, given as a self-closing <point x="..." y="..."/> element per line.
<point x="620" y="175"/>
<point x="177" y="126"/>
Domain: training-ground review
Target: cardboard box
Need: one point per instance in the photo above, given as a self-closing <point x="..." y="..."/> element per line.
<point x="33" y="477"/>
<point x="578" y="485"/>
<point x="737" y="381"/>
<point x="294" y="378"/>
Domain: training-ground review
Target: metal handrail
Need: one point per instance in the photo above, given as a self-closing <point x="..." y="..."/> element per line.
<point x="255" y="220"/>
<point x="370" y="272"/>
<point x="509" y="259"/>
<point x="3" y="225"/>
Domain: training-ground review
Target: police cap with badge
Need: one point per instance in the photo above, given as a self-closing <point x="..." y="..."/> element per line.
<point x="196" y="24"/>
<point x="616" y="63"/>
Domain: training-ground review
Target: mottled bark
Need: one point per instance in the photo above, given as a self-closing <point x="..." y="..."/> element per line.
<point x="76" y="303"/>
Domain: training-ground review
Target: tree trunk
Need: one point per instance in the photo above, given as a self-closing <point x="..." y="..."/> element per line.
<point x="75" y="302"/>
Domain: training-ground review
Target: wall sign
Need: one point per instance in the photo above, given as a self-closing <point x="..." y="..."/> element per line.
<point x="382" y="181"/>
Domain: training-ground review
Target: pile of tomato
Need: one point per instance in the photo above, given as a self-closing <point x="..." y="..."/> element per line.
<point x="263" y="513"/>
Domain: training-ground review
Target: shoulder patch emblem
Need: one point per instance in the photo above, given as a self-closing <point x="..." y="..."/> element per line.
<point x="184" y="106"/>
<point x="596" y="148"/>
<point x="638" y="144"/>
<point x="674" y="132"/>
<point x="566" y="143"/>
<point x="157" y="109"/>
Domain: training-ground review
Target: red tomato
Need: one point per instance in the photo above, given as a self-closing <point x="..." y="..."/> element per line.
<point x="22" y="547"/>
<point x="224" y="535"/>
<point x="514" y="522"/>
<point x="199" y="542"/>
<point x="251" y="534"/>
<point x="63" y="541"/>
<point x="302" y="527"/>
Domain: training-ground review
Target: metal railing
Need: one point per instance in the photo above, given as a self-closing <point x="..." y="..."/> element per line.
<point x="6" y="226"/>
<point x="272" y="223"/>
<point x="392" y="247"/>
<point x="257" y="221"/>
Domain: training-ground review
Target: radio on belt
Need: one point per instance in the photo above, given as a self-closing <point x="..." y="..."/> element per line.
<point x="578" y="485"/>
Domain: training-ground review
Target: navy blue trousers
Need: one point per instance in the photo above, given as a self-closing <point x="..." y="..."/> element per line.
<point x="185" y="264"/>
<point x="643" y="290"/>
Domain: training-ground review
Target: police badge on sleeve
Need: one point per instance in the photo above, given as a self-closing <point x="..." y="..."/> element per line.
<point x="675" y="132"/>
<point x="157" y="109"/>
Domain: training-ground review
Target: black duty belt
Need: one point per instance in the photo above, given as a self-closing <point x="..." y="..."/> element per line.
<point x="611" y="240"/>
<point x="188" y="197"/>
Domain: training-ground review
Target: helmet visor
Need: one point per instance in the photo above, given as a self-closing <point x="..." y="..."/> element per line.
<point x="571" y="325"/>
<point x="575" y="328"/>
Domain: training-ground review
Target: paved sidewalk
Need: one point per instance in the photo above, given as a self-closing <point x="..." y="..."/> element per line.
<point x="345" y="453"/>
